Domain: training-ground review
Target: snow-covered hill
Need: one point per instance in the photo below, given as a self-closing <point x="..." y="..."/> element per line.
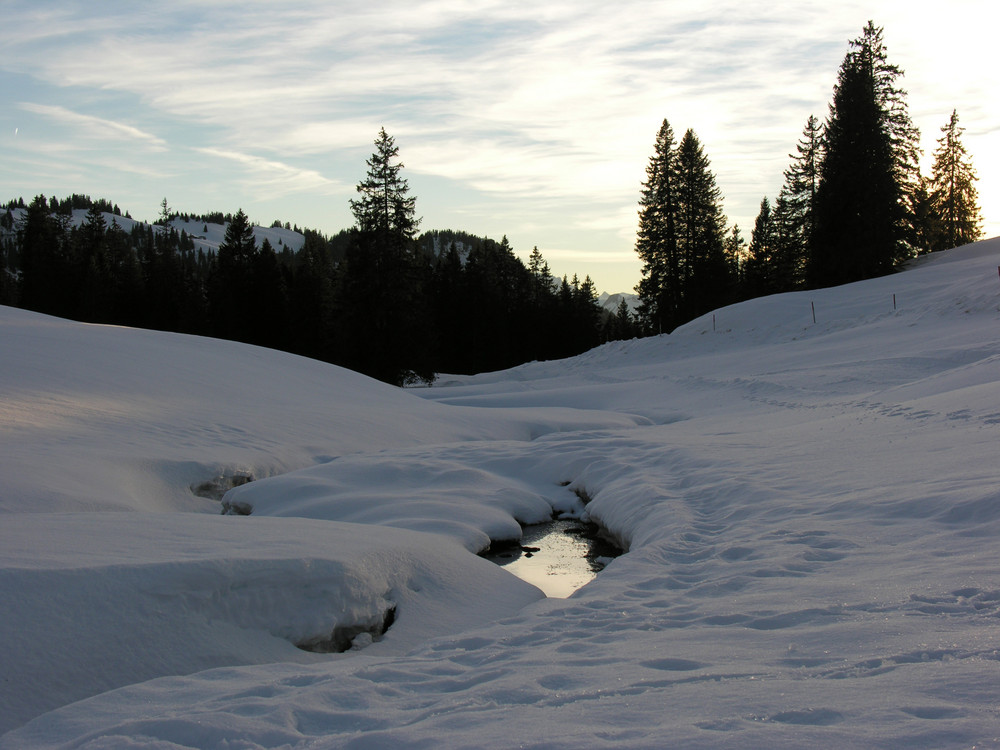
<point x="206" y="236"/>
<point x="810" y="510"/>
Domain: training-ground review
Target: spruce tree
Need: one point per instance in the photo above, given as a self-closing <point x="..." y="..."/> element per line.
<point x="166" y="213"/>
<point x="789" y="246"/>
<point x="736" y="253"/>
<point x="953" y="196"/>
<point x="868" y="171"/>
<point x="586" y="316"/>
<point x="759" y="270"/>
<point x="681" y="237"/>
<point x="384" y="323"/>
<point x="620" y="325"/>
<point x="229" y="288"/>
<point x="656" y="241"/>
<point x="96" y="285"/>
<point x="795" y="209"/>
<point x="705" y="272"/>
<point x="541" y="275"/>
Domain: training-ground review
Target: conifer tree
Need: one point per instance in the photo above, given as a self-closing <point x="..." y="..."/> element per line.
<point x="952" y="195"/>
<point x="165" y="213"/>
<point x="705" y="271"/>
<point x="96" y="296"/>
<point x="541" y="275"/>
<point x="736" y="252"/>
<point x="924" y="230"/>
<point x="795" y="209"/>
<point x="790" y="246"/>
<point x="802" y="176"/>
<point x="759" y="270"/>
<point x="620" y="325"/>
<point x="382" y="313"/>
<point x="586" y="316"/>
<point x="868" y="171"/>
<point x="229" y="289"/>
<point x="656" y="241"/>
<point x="681" y="239"/>
<point x="539" y="323"/>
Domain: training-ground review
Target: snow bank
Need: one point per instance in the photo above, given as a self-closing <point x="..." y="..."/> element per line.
<point x="95" y="601"/>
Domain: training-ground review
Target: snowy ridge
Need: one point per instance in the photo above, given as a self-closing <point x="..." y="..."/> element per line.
<point x="809" y="510"/>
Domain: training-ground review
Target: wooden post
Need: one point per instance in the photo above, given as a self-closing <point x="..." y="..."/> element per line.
<point x="813" y="304"/>
<point x="894" y="302"/>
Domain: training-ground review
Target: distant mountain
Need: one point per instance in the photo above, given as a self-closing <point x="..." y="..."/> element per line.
<point x="610" y="302"/>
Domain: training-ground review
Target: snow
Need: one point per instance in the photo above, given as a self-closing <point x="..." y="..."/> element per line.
<point x="809" y="510"/>
<point x="206" y="236"/>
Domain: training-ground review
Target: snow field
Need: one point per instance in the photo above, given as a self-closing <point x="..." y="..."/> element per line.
<point x="809" y="510"/>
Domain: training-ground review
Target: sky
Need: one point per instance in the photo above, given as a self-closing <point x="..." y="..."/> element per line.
<point x="533" y="120"/>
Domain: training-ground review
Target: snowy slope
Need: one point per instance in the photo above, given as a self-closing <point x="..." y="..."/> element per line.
<point x="810" y="511"/>
<point x="206" y="236"/>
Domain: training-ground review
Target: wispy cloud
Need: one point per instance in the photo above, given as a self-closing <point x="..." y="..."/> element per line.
<point x="275" y="177"/>
<point x="94" y="127"/>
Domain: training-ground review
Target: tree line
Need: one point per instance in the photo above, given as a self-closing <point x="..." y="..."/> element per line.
<point x="853" y="205"/>
<point x="376" y="298"/>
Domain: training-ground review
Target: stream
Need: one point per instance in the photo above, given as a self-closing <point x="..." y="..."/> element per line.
<point x="558" y="557"/>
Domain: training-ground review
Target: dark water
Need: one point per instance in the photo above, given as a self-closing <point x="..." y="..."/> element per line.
<point x="558" y="557"/>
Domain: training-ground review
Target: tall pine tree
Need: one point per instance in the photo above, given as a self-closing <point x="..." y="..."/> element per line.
<point x="681" y="237"/>
<point x="705" y="271"/>
<point x="796" y="207"/>
<point x="954" y="206"/>
<point x="385" y="329"/>
<point x="230" y="300"/>
<point x="868" y="172"/>
<point x="656" y="241"/>
<point x="759" y="269"/>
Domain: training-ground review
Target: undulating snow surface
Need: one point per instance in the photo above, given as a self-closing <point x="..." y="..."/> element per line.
<point x="811" y="512"/>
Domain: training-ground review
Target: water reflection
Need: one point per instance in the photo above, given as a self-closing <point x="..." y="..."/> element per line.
<point x="558" y="557"/>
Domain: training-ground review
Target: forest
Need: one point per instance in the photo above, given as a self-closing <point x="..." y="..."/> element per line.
<point x="441" y="301"/>
<point x="385" y="300"/>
